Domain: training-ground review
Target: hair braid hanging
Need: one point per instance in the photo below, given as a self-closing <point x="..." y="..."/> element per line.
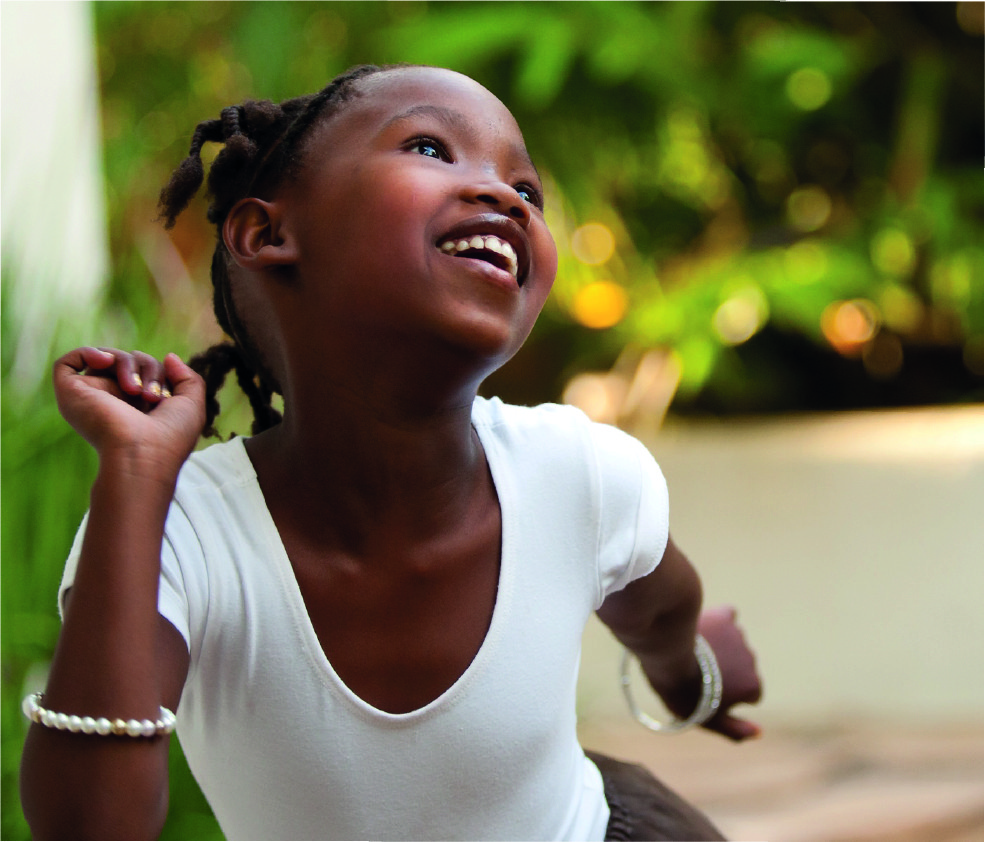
<point x="188" y="177"/>
<point x="213" y="365"/>
<point x="262" y="145"/>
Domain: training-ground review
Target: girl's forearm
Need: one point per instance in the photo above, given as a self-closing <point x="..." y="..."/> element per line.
<point x="115" y="658"/>
<point x="105" y="654"/>
<point x="668" y="660"/>
<point x="656" y="617"/>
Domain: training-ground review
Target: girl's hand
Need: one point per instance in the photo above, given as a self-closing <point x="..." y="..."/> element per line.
<point x="131" y="405"/>
<point x="740" y="681"/>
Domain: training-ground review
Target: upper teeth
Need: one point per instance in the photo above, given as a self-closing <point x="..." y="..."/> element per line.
<point x="487" y="242"/>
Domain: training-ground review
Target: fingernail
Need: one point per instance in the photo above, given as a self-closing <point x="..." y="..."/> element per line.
<point x="138" y="380"/>
<point x="155" y="389"/>
<point x="165" y="392"/>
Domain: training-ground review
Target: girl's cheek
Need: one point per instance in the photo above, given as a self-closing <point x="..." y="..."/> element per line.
<point x="551" y="261"/>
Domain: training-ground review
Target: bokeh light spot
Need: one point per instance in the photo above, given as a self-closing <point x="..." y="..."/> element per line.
<point x="950" y="280"/>
<point x="971" y="17"/>
<point x="741" y="316"/>
<point x="806" y="261"/>
<point x="848" y="325"/>
<point x="808" y="208"/>
<point x="893" y="252"/>
<point x="901" y="309"/>
<point x="597" y="395"/>
<point x="808" y="88"/>
<point x="157" y="130"/>
<point x="599" y="305"/>
<point x="593" y="243"/>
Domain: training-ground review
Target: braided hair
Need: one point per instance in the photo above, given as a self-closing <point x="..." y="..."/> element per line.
<point x="262" y="145"/>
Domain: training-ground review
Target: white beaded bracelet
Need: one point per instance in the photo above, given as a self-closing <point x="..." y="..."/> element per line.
<point x="708" y="704"/>
<point x="102" y="726"/>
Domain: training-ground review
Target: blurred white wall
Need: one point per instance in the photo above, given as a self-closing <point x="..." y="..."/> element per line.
<point x="55" y="250"/>
<point x="852" y="544"/>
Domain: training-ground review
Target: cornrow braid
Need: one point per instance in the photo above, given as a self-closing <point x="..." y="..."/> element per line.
<point x="262" y="146"/>
<point x="337" y="92"/>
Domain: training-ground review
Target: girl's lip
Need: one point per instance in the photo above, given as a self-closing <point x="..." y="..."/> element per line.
<point x="494" y="225"/>
<point x="490" y="271"/>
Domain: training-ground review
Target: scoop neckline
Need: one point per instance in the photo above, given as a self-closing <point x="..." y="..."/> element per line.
<point x="304" y="628"/>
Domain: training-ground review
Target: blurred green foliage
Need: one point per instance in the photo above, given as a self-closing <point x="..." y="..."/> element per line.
<point x="792" y="194"/>
<point x="801" y="156"/>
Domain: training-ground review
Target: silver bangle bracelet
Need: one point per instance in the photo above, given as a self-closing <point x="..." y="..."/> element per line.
<point x="102" y="726"/>
<point x="708" y="704"/>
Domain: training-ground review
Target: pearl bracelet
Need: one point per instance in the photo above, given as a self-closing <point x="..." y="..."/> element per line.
<point x="708" y="704"/>
<point x="102" y="726"/>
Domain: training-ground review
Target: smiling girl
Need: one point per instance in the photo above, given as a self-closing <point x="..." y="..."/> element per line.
<point x="367" y="615"/>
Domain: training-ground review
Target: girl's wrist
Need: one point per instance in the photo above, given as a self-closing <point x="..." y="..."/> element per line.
<point x="682" y="698"/>
<point x="677" y="682"/>
<point x="134" y="490"/>
<point x="137" y="464"/>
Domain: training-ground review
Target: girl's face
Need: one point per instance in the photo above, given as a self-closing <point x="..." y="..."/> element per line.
<point x="418" y="216"/>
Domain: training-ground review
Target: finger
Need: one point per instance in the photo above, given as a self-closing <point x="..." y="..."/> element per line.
<point x="80" y="359"/>
<point x="716" y="621"/>
<point x="96" y="359"/>
<point x="755" y="693"/>
<point x="151" y="372"/>
<point x="71" y="371"/>
<point x="728" y="612"/>
<point x="183" y="380"/>
<point x="127" y="375"/>
<point x="187" y="404"/>
<point x="736" y="729"/>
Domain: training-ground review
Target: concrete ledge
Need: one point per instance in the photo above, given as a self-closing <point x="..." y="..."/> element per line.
<point x="852" y="544"/>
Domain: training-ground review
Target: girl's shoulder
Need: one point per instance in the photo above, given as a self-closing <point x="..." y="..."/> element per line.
<point x="229" y="456"/>
<point x="557" y="430"/>
<point x="548" y="427"/>
<point x="218" y="465"/>
<point x="493" y="412"/>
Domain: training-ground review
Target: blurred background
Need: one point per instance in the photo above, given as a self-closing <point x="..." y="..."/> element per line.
<point x="770" y="225"/>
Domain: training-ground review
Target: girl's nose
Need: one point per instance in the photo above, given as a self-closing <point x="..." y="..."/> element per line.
<point x="502" y="197"/>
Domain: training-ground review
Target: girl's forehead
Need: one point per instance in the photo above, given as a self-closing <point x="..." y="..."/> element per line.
<point x="392" y="95"/>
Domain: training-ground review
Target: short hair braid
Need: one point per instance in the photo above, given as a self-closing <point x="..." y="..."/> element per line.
<point x="262" y="146"/>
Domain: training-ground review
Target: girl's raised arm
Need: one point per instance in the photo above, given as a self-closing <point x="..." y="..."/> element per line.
<point x="116" y="656"/>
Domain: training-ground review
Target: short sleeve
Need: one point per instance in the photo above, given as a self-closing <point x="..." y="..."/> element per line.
<point x="172" y="602"/>
<point x="634" y="510"/>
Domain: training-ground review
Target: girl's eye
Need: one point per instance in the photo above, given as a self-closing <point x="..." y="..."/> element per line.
<point x="429" y="148"/>
<point x="530" y="194"/>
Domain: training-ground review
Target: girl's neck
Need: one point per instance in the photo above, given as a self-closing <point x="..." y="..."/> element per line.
<point x="354" y="470"/>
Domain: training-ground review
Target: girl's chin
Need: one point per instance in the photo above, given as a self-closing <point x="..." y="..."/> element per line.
<point x="490" y="341"/>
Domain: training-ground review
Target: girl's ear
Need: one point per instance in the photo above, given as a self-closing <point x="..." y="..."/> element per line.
<point x="256" y="236"/>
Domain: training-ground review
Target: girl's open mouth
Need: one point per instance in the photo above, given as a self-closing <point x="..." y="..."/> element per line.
<point x="484" y="247"/>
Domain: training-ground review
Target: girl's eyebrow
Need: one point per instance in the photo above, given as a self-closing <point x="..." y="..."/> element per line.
<point x="457" y="121"/>
<point x="451" y="118"/>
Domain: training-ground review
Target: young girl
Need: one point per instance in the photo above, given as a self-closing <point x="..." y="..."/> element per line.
<point x="371" y="610"/>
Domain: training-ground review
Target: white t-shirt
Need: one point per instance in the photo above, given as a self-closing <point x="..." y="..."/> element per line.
<point x="284" y="750"/>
